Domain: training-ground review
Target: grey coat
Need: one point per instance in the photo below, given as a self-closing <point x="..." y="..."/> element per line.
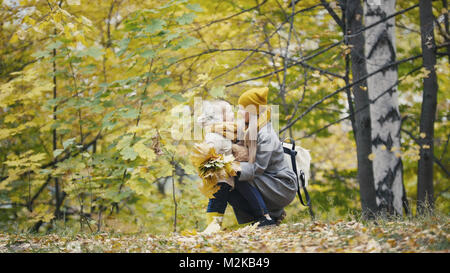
<point x="270" y="174"/>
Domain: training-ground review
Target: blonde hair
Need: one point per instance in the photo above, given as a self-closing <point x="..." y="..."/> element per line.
<point x="215" y="111"/>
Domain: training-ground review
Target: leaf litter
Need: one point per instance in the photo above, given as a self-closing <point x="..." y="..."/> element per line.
<point x="307" y="236"/>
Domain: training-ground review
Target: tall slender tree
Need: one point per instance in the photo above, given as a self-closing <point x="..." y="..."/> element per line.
<point x="380" y="51"/>
<point x="356" y="40"/>
<point x="425" y="200"/>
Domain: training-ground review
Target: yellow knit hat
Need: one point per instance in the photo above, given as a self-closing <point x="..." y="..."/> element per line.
<point x="254" y="96"/>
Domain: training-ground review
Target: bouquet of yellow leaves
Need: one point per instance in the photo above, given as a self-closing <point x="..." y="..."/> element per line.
<point x="211" y="167"/>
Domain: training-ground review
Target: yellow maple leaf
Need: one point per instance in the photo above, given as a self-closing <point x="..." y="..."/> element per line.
<point x="144" y="152"/>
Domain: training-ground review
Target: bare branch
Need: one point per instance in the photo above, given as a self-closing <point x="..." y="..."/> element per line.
<point x="229" y="17"/>
<point x="435" y="159"/>
<point x="333" y="13"/>
<point x="348" y="86"/>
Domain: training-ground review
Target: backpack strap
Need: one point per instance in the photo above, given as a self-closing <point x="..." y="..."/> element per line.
<point x="308" y="199"/>
<point x="302" y="179"/>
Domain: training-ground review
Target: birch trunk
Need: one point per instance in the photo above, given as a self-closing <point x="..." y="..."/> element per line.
<point x="384" y="111"/>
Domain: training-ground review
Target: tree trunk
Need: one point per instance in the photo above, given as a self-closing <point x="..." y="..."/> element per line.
<point x="354" y="15"/>
<point x="54" y="140"/>
<point x="446" y="26"/>
<point x="425" y="200"/>
<point x="384" y="111"/>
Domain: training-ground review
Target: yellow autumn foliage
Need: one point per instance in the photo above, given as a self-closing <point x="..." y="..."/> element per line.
<point x="211" y="167"/>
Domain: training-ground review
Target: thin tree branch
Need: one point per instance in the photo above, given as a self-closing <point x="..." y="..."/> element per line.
<point x="332" y="13"/>
<point x="229" y="17"/>
<point x="348" y="86"/>
<point x="301" y="62"/>
<point x="381" y="21"/>
<point x="435" y="159"/>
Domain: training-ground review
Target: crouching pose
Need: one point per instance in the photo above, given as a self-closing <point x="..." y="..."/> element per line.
<point x="221" y="132"/>
<point x="264" y="183"/>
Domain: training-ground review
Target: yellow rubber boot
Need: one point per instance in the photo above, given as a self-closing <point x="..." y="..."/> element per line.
<point x="214" y="220"/>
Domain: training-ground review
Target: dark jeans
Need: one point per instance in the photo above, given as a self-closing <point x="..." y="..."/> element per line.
<point x="244" y="197"/>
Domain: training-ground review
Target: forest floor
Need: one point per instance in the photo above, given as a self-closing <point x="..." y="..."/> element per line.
<point x="432" y="235"/>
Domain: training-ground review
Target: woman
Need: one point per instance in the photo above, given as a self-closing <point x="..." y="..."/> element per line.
<point x="264" y="185"/>
<point x="217" y="118"/>
<point x="266" y="169"/>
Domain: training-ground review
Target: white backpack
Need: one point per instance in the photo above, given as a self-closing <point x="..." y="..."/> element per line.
<point x="299" y="160"/>
<point x="302" y="160"/>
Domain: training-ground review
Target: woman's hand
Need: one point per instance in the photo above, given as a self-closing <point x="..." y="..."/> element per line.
<point x="240" y="152"/>
<point x="236" y="165"/>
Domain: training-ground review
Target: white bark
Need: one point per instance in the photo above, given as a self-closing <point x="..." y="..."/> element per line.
<point x="384" y="111"/>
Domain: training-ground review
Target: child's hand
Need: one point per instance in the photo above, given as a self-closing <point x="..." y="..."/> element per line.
<point x="240" y="152"/>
